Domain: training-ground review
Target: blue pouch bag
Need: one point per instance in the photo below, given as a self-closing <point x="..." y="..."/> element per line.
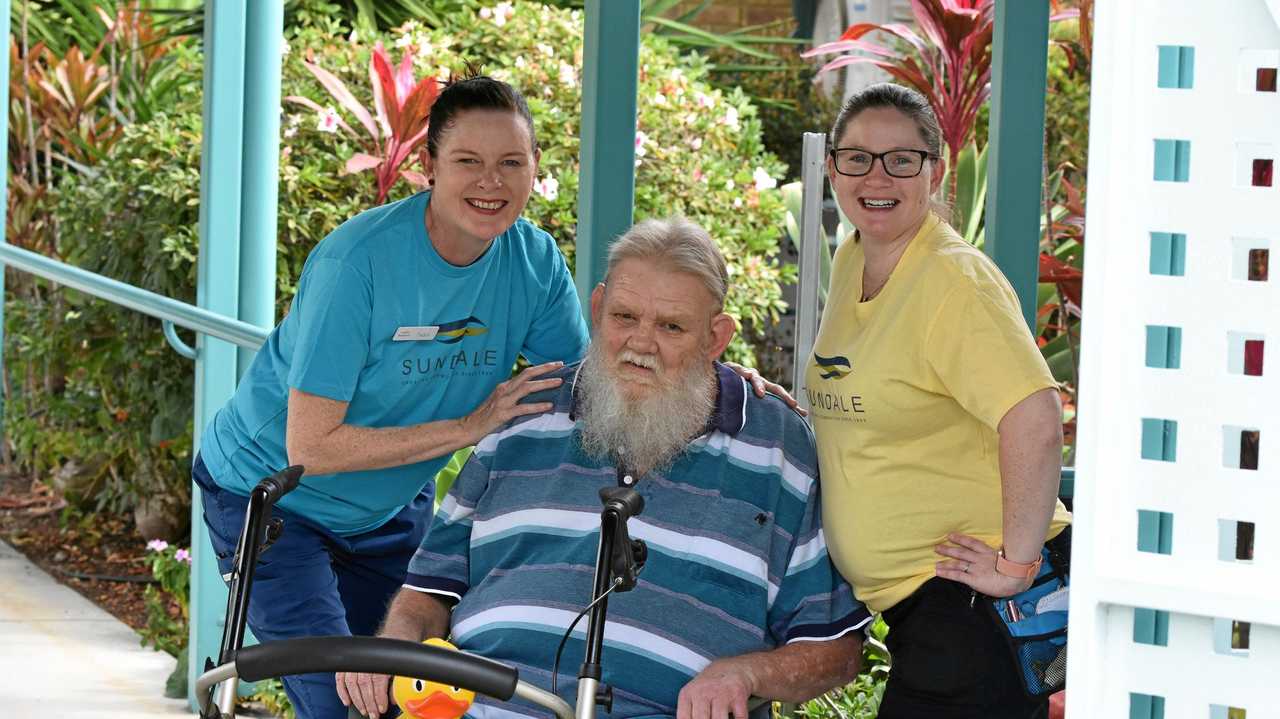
<point x="1034" y="625"/>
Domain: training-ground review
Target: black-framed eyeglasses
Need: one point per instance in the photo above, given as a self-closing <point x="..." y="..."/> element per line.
<point x="856" y="162"/>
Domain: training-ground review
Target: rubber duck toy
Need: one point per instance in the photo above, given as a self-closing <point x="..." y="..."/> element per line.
<point x="431" y="700"/>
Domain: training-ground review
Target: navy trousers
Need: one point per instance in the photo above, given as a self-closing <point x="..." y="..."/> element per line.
<point x="313" y="582"/>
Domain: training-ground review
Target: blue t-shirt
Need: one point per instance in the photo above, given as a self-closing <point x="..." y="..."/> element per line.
<point x="383" y="323"/>
<point x="736" y="563"/>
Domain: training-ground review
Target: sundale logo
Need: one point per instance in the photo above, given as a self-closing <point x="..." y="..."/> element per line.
<point x="451" y="332"/>
<point x="831" y="366"/>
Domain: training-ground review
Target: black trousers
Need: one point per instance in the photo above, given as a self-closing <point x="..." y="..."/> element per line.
<point x="949" y="661"/>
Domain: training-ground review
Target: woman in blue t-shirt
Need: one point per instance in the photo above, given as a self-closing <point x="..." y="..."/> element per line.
<point x="396" y="351"/>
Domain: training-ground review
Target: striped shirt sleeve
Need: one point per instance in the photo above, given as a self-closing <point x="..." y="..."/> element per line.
<point x="441" y="566"/>
<point x="814" y="602"/>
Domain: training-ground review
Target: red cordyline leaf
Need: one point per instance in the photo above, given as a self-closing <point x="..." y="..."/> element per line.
<point x="339" y="91"/>
<point x="361" y="161"/>
<point x="415" y="178"/>
<point x="1070" y="280"/>
<point x="383" y="88"/>
<point x="404" y="78"/>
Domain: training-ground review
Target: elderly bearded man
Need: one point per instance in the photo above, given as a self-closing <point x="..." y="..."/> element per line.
<point x="738" y="596"/>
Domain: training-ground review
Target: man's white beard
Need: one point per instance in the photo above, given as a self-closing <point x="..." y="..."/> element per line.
<point x="647" y="434"/>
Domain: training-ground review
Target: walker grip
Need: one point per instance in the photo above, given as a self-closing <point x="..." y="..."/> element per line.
<point x="376" y="655"/>
<point x="280" y="483"/>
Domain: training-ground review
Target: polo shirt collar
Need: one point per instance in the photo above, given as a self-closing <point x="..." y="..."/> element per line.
<point x="730" y="412"/>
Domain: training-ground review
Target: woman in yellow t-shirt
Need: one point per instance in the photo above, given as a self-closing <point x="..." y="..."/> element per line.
<point x="938" y="423"/>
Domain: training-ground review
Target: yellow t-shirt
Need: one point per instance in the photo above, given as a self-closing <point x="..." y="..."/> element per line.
<point x="906" y="391"/>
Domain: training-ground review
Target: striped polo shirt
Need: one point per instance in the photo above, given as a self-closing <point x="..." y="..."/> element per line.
<point x="737" y="562"/>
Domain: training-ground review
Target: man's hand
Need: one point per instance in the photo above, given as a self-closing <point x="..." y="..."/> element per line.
<point x="718" y="691"/>
<point x="368" y="693"/>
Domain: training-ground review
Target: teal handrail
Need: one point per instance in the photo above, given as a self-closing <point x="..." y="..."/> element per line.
<point x="179" y="313"/>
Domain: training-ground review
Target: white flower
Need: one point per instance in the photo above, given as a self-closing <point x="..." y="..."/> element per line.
<point x="545" y="49"/>
<point x="328" y="120"/>
<point x="731" y="117"/>
<point x="425" y="48"/>
<point x="520" y="61"/>
<point x="676" y="75"/>
<point x="486" y="13"/>
<point x="763" y="180"/>
<point x="284" y="46"/>
<point x="659" y="99"/>
<point x="157" y="545"/>
<point x="404" y="41"/>
<point x="291" y="130"/>
<point x="502" y="12"/>
<point x="696" y="143"/>
<point x="568" y="76"/>
<point x="737" y="202"/>
<point x="353" y="37"/>
<point x="549" y="188"/>
<point x="641" y="140"/>
<point x="703" y="99"/>
<point x="690" y="118"/>
<point x="730" y="184"/>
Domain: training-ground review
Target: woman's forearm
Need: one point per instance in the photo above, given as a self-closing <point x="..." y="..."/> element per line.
<point x="1030" y="470"/>
<point x="349" y="448"/>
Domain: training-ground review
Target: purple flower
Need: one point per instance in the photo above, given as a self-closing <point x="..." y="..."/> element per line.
<point x="182" y="555"/>
<point x="157" y="545"/>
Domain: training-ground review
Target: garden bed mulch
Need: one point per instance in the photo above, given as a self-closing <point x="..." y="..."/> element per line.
<point x="100" y="556"/>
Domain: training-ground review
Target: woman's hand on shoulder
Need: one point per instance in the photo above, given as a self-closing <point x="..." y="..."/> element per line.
<point x="970" y="561"/>
<point x="762" y="385"/>
<point x="504" y="403"/>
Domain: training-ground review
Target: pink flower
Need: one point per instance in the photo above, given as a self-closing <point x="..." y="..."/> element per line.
<point x="641" y="139"/>
<point x="182" y="555"/>
<point x="703" y="99"/>
<point x="328" y="121"/>
<point x="157" y="545"/>
<point x="549" y="188"/>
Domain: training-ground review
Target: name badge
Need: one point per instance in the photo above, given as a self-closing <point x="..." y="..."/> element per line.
<point x="415" y="334"/>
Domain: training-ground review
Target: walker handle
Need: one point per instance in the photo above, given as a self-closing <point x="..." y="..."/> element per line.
<point x="377" y="655"/>
<point x="280" y="483"/>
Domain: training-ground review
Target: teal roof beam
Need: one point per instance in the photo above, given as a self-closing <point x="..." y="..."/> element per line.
<point x="1014" y="171"/>
<point x="606" y="193"/>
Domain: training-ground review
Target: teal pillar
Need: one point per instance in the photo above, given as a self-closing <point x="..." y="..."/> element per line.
<point x="606" y="191"/>
<point x="237" y="270"/>
<point x="260" y="161"/>
<point x="1016" y="155"/>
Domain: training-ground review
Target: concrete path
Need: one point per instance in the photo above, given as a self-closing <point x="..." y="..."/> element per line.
<point x="61" y="656"/>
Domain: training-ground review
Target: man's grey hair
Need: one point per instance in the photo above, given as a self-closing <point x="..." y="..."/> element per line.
<point x="678" y="244"/>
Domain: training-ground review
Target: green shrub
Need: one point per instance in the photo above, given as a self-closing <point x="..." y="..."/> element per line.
<point x="93" y="382"/>
<point x="699" y="148"/>
<point x="98" y="384"/>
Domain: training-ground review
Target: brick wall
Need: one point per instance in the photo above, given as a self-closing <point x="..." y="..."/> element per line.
<point x="725" y="15"/>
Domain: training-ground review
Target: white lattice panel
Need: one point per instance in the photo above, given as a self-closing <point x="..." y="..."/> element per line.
<point x="1179" y="436"/>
